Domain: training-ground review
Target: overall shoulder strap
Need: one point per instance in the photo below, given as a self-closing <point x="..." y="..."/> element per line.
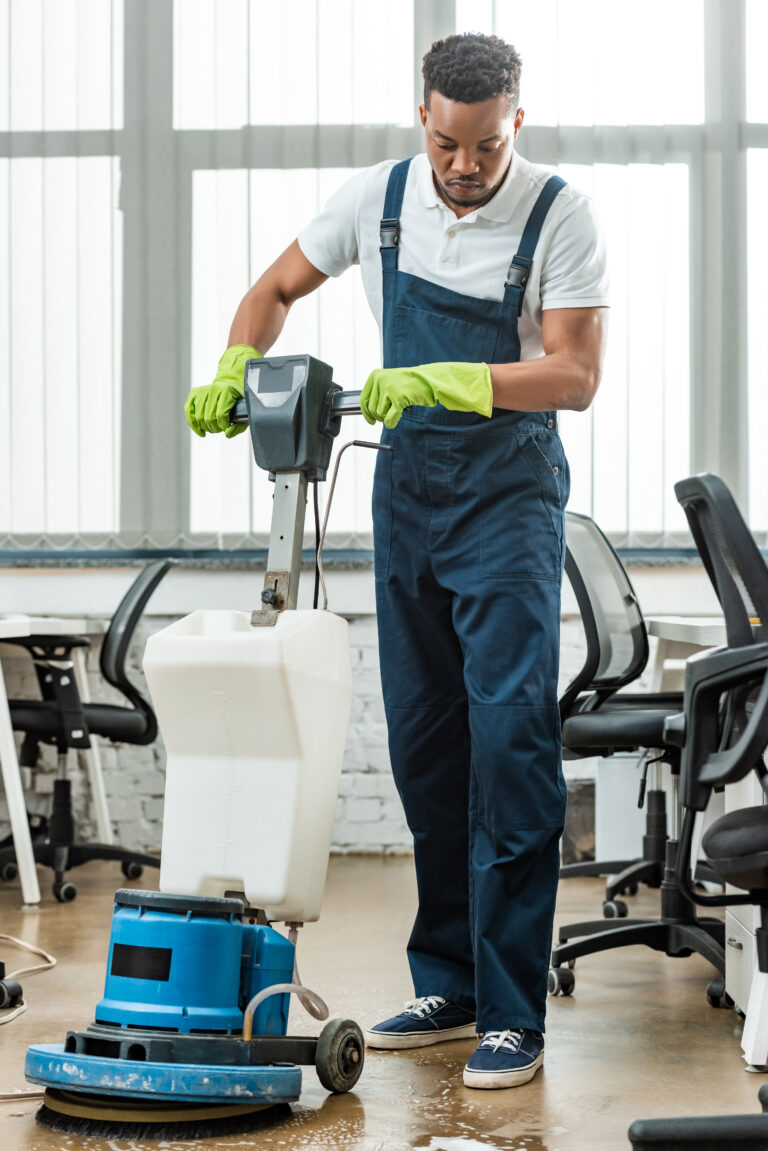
<point x="520" y="268"/>
<point x="389" y="228"/>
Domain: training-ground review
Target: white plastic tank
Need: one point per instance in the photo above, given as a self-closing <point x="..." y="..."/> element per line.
<point x="254" y="721"/>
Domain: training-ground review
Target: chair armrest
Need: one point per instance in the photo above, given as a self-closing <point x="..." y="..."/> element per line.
<point x="708" y="675"/>
<point x="48" y="645"/>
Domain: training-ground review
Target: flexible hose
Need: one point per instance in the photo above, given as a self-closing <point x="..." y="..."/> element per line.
<point x="309" y="1000"/>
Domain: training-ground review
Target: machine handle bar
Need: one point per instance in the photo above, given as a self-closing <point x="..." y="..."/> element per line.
<point x="342" y="404"/>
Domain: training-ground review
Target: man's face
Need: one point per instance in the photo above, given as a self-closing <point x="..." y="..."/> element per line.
<point x="469" y="147"/>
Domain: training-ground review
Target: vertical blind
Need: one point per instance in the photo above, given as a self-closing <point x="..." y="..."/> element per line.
<point x="155" y="157"/>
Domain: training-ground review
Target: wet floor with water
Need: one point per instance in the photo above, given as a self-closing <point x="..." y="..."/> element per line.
<point x="636" y="1039"/>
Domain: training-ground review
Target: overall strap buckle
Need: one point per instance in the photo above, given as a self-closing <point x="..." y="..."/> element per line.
<point x="519" y="272"/>
<point x="389" y="234"/>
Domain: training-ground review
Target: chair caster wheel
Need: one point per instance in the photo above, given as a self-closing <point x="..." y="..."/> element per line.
<point x="716" y="994"/>
<point x="560" y="981"/>
<point x="8" y="871"/>
<point x="615" y="909"/>
<point x="65" y="892"/>
<point x="131" y="870"/>
<point x="631" y="889"/>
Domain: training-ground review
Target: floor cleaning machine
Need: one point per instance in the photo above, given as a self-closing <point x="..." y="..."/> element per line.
<point x="190" y="1038"/>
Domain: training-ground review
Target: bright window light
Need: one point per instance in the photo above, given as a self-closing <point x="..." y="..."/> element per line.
<point x="61" y="65"/>
<point x="757" y="310"/>
<point x="599" y="61"/>
<point x="632" y="446"/>
<point x="60" y="319"/>
<point x="757" y="74"/>
<point x="228" y="493"/>
<point x="306" y="62"/>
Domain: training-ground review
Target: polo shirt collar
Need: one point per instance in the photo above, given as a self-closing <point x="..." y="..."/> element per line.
<point x="499" y="208"/>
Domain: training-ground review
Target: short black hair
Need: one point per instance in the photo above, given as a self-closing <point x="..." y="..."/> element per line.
<point x="471" y="67"/>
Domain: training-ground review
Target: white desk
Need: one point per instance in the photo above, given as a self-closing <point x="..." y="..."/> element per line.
<point x="680" y="636"/>
<point x="14" y="626"/>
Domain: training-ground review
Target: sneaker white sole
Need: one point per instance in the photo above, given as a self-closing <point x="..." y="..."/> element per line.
<point x="392" y="1041"/>
<point x="496" y="1079"/>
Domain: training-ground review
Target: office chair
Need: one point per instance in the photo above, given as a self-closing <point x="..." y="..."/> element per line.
<point x="616" y="656"/>
<point x="598" y="719"/>
<point x="723" y="734"/>
<point x="62" y="719"/>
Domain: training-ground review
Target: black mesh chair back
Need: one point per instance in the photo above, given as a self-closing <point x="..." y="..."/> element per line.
<point x="114" y="649"/>
<point x="730" y="555"/>
<point x="617" y="640"/>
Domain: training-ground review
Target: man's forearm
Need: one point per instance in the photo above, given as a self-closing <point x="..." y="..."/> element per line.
<point x="259" y="318"/>
<point x="554" y="382"/>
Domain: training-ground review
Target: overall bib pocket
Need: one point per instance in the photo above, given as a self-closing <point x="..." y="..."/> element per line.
<point x="443" y="338"/>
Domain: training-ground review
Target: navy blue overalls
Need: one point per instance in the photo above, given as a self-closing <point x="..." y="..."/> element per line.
<point x="468" y="547"/>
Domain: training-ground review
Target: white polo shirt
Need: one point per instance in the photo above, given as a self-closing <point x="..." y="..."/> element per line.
<point x="470" y="255"/>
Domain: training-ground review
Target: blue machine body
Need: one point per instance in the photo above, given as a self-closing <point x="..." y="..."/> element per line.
<point x="183" y="965"/>
<point x="191" y="969"/>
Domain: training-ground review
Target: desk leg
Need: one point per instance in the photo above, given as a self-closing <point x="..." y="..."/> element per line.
<point x="93" y="757"/>
<point x="754" y="1039"/>
<point x="17" y="811"/>
<point x="657" y="671"/>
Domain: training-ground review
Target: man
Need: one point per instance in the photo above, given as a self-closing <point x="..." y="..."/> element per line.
<point x="486" y="275"/>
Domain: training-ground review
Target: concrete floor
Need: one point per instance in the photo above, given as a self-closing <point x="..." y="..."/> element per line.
<point x="636" y="1039"/>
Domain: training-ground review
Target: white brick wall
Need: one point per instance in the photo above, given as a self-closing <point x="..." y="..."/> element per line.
<point x="369" y="817"/>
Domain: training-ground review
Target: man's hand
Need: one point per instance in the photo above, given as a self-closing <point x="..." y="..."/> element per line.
<point x="207" y="408"/>
<point x="458" y="387"/>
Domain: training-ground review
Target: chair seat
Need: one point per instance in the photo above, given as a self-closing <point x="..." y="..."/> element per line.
<point x="41" y="718"/>
<point x="737" y="847"/>
<point x="616" y="727"/>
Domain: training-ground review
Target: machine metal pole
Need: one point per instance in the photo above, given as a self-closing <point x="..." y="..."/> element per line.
<point x="281" y="581"/>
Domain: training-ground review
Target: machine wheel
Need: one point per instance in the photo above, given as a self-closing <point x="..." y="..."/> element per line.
<point x="131" y="869"/>
<point x="560" y="981"/>
<point x="340" y="1054"/>
<point x="8" y="871"/>
<point x="65" y="892"/>
<point x="615" y="909"/>
<point x="716" y="994"/>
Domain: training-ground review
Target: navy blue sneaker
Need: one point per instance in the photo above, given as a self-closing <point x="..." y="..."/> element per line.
<point x="422" y="1022"/>
<point x="505" y="1059"/>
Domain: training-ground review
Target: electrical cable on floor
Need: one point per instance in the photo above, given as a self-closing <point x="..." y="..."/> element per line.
<point x="49" y="962"/>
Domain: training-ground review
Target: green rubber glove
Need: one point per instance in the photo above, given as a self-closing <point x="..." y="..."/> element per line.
<point x="459" y="387"/>
<point x="207" y="408"/>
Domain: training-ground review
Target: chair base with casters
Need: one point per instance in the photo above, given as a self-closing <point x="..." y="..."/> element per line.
<point x="677" y="931"/>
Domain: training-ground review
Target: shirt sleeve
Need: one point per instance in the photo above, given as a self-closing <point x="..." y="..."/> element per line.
<point x="330" y="241"/>
<point x="574" y="273"/>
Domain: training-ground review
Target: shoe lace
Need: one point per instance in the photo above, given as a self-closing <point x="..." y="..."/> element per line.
<point x="425" y="1005"/>
<point x="509" y="1040"/>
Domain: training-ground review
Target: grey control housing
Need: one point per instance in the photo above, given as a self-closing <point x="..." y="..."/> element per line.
<point x="289" y="405"/>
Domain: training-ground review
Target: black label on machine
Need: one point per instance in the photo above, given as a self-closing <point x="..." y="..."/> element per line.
<point x="141" y="962"/>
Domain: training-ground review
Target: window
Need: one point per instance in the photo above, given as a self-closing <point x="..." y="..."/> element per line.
<point x="155" y="157"/>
